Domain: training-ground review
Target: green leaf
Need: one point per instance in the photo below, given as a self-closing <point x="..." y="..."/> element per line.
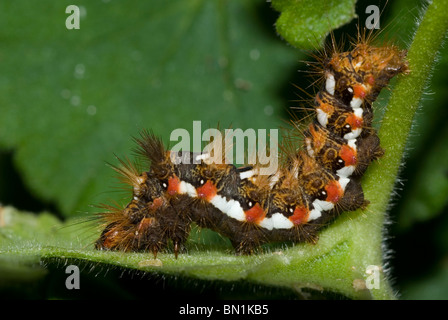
<point x="428" y="195"/>
<point x="331" y="264"/>
<point x="345" y="251"/>
<point x="305" y="24"/>
<point x="73" y="98"/>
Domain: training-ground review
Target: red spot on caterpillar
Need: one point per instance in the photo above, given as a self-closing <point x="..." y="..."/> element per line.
<point x="110" y="238"/>
<point x="173" y="185"/>
<point x="371" y="80"/>
<point x="299" y="216"/>
<point x="325" y="107"/>
<point x="144" y="224"/>
<point x="156" y="204"/>
<point x="359" y="91"/>
<point x="354" y="121"/>
<point x="348" y="154"/>
<point x="334" y="191"/>
<point x="207" y="191"/>
<point x="255" y="214"/>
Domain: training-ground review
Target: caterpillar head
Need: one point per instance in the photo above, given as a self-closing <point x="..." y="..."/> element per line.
<point x="360" y="74"/>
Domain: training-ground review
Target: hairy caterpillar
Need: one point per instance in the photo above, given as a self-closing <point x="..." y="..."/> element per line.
<point x="314" y="183"/>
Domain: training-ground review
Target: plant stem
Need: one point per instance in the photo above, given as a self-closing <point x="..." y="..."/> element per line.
<point x="397" y="121"/>
<point x="404" y="102"/>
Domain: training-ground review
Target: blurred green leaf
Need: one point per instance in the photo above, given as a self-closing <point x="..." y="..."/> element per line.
<point x="428" y="195"/>
<point x="433" y="286"/>
<point x="74" y="97"/>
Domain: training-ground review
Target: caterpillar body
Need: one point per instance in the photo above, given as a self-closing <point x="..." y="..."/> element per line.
<point x="314" y="183"/>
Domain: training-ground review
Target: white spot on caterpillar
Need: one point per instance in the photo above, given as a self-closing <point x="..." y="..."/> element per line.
<point x="343" y="181"/>
<point x="309" y="148"/>
<point x="323" y="205"/>
<point x="231" y="208"/>
<point x="267" y="223"/>
<point x="345" y="172"/>
<point x="356" y="132"/>
<point x="322" y="117"/>
<point x="352" y="143"/>
<point x="187" y="188"/>
<point x="246" y="174"/>
<point x="314" y="214"/>
<point x="355" y="103"/>
<point x="330" y="83"/>
<point x="353" y="134"/>
<point x="279" y="221"/>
